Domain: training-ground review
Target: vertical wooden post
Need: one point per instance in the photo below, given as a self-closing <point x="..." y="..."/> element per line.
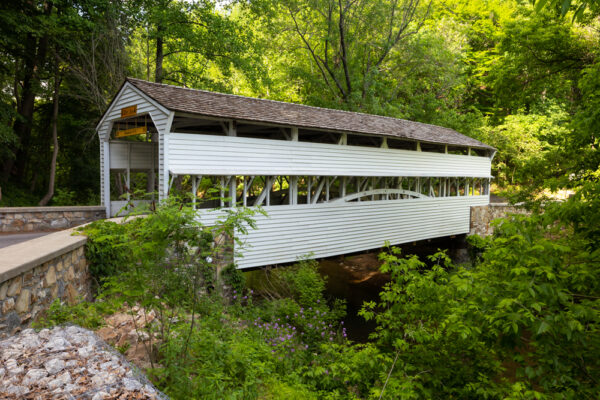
<point x="244" y="193"/>
<point x="231" y="129"/>
<point x="165" y="151"/>
<point x="294" y="134"/>
<point x="232" y="190"/>
<point x="128" y="171"/>
<point x="106" y="175"/>
<point x="268" y="185"/>
<point x="151" y="174"/>
<point x="194" y="190"/>
<point x="293" y="190"/>
<point x="222" y="189"/>
<point x="372" y="187"/>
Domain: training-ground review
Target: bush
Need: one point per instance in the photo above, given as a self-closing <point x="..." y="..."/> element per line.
<point x="522" y="323"/>
<point x="107" y="249"/>
<point x="234" y="278"/>
<point x="85" y="314"/>
<point x="298" y="294"/>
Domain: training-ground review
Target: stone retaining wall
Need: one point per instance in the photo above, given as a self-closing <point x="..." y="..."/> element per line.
<point x="36" y="219"/>
<point x="35" y="273"/>
<point x="481" y="216"/>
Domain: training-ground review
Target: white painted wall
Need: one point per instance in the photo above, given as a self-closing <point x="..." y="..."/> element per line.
<point x="141" y="155"/>
<point x="330" y="229"/>
<point x="129" y="96"/>
<point x="226" y="155"/>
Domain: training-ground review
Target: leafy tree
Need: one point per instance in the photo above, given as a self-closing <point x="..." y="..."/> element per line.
<point x="346" y="45"/>
<point x="185" y="42"/>
<point x="525" y="143"/>
<point x="522" y="323"/>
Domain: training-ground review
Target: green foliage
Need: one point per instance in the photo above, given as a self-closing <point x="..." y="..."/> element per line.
<point x="86" y="314"/>
<point x="522" y="322"/>
<point x="16" y="196"/>
<point x="300" y="282"/>
<point x="107" y="248"/>
<point x="222" y="360"/>
<point x="64" y="197"/>
<point x="525" y="143"/>
<point x="234" y="278"/>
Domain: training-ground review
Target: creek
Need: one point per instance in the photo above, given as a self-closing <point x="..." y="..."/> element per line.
<point x="356" y="278"/>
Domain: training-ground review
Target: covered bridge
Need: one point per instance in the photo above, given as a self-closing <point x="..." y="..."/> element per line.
<point x="331" y="182"/>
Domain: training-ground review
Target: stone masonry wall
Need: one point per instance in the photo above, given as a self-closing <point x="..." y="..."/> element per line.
<point x="24" y="296"/>
<point x="35" y="219"/>
<point x="481" y="216"/>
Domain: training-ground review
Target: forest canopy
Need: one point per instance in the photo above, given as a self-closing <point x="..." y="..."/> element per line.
<point x="520" y="320"/>
<point x="520" y="76"/>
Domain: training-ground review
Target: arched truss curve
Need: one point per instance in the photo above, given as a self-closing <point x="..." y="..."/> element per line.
<point x="291" y="190"/>
<point x="387" y="193"/>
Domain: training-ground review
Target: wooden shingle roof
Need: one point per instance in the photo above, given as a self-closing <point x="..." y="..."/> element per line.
<point x="242" y="108"/>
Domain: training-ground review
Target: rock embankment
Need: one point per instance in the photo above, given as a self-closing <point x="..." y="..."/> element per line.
<point x="67" y="363"/>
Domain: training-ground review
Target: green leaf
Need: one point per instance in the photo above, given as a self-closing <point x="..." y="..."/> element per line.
<point x="543" y="327"/>
<point x="540" y="4"/>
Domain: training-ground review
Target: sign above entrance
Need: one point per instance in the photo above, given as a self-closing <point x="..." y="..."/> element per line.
<point x="129" y="111"/>
<point x="132" y="132"/>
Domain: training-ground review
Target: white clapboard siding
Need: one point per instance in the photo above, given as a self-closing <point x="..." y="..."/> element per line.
<point x="227" y="155"/>
<point x="141" y="155"/>
<point x="328" y="229"/>
<point x="129" y="96"/>
<point x="102" y="174"/>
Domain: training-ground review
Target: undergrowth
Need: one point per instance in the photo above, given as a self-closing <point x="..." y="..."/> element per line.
<point x="521" y="322"/>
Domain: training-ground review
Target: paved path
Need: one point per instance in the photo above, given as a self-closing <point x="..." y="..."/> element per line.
<point x="14" y="238"/>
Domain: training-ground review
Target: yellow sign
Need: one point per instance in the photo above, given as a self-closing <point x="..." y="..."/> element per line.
<point x="128" y="111"/>
<point x="132" y="132"/>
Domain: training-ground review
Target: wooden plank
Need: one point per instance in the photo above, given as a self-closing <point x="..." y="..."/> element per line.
<point x="223" y="155"/>
<point x="328" y="229"/>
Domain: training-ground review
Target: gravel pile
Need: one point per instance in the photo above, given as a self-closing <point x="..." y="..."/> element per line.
<point x="68" y="363"/>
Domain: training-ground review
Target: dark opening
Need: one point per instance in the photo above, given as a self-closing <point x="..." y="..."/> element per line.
<point x="401" y="144"/>
<point x="263" y="132"/>
<point x="480" y="152"/>
<point x="365" y="141"/>
<point x="463" y="151"/>
<point x="305" y="135"/>
<point x="433" y="148"/>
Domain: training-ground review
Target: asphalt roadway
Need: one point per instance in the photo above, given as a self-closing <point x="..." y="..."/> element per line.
<point x="8" y="239"/>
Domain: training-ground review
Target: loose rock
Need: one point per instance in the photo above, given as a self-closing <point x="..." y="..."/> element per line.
<point x="68" y="363"/>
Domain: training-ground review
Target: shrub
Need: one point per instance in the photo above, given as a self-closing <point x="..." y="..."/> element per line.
<point x="298" y="294"/>
<point x="234" y="278"/>
<point x="107" y="248"/>
<point x="86" y="314"/>
<point x="522" y="323"/>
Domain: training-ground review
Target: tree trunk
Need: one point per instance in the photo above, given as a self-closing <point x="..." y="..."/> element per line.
<point x="35" y="56"/>
<point x="158" y="71"/>
<point x="50" y="192"/>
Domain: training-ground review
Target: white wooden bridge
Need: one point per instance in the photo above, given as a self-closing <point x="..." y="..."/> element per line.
<point x="332" y="182"/>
